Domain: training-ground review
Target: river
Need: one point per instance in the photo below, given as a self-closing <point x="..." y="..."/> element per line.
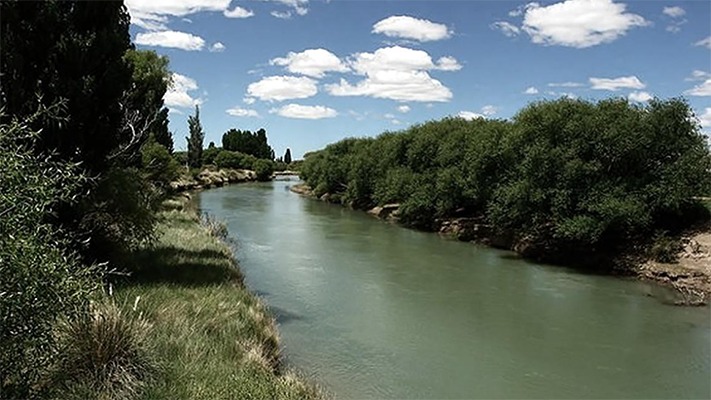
<point x="372" y="310"/>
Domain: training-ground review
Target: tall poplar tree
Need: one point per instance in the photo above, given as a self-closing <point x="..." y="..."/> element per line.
<point x="195" y="139"/>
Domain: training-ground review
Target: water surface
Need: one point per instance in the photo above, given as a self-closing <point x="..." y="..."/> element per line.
<point x="373" y="310"/>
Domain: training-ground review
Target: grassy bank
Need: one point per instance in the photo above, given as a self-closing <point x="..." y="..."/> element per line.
<point x="212" y="338"/>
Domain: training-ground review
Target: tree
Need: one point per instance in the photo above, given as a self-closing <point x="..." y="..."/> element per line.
<point x="287" y="156"/>
<point x="195" y="139"/>
<point x="72" y="50"/>
<point x="247" y="142"/>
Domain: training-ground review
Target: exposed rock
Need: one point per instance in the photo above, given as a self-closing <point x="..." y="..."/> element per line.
<point x="211" y="177"/>
<point x="387" y="211"/>
<point x="301" y="189"/>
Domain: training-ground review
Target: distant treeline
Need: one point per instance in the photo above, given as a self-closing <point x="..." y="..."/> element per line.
<point x="566" y="174"/>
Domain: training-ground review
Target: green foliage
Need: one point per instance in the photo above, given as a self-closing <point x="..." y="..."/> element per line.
<point x="246" y="142"/>
<point x="73" y="51"/>
<point x="287" y="156"/>
<point x="195" y="139"/>
<point x="233" y="159"/>
<point x="40" y="280"/>
<point x="181" y="157"/>
<point x="209" y="155"/>
<point x="568" y="174"/>
<point x="158" y="165"/>
<point x="263" y="169"/>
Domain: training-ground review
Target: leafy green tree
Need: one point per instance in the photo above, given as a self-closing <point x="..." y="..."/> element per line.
<point x="72" y="50"/>
<point x="263" y="168"/>
<point x="287" y="156"/>
<point x="195" y="139"/>
<point x="247" y="142"/>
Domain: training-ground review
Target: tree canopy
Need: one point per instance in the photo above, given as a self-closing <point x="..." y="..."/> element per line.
<point x="247" y="142"/>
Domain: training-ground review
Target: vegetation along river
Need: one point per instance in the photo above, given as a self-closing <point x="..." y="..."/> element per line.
<point x="373" y="310"/>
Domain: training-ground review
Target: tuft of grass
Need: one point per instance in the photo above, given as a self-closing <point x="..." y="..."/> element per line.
<point x="105" y="354"/>
<point x="665" y="248"/>
<point x="214" y="339"/>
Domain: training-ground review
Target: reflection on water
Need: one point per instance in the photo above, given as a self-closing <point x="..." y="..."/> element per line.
<point x="372" y="310"/>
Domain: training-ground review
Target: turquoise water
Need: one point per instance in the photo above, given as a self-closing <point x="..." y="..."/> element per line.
<point x="372" y="310"/>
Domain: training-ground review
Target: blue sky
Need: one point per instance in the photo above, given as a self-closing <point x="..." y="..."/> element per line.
<point x="312" y="72"/>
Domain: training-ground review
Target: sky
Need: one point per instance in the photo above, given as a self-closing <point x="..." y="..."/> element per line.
<point x="312" y="72"/>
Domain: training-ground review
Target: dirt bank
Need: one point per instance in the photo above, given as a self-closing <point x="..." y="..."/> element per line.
<point x="691" y="274"/>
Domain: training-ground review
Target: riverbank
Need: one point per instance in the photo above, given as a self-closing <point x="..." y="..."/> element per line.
<point x="689" y="275"/>
<point x="213" y="339"/>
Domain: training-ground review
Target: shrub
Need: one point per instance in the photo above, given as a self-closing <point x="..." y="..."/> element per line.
<point x="665" y="249"/>
<point x="263" y="169"/>
<point x="40" y="281"/>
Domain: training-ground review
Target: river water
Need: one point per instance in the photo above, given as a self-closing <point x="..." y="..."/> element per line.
<point x="372" y="310"/>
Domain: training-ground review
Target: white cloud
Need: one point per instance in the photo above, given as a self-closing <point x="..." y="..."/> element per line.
<point x="281" y="14"/>
<point x="702" y="89"/>
<point x="248" y="100"/>
<point x="242" y="112"/>
<point x="177" y="94"/>
<point x="406" y="27"/>
<point x="448" y="63"/>
<point x="531" y="90"/>
<point x="704" y="42"/>
<point x="172" y="39"/>
<point x="489" y="110"/>
<point x="579" y="23"/>
<point x="238" y="12"/>
<point x="217" y="47"/>
<point x="674" y="12"/>
<point x="705" y="118"/>
<point x="395" y="73"/>
<point x="299" y="7"/>
<point x="614" y="84"/>
<point x="153" y="14"/>
<point x="640" y="97"/>
<point x="566" y="84"/>
<point x="698" y="75"/>
<point x="311" y="62"/>
<point x="279" y="88"/>
<point x="304" y="112"/>
<point x="404" y="108"/>
<point x="470" y="115"/>
<point x="506" y="28"/>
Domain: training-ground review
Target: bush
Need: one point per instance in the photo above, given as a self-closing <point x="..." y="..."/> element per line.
<point x="40" y="281"/>
<point x="160" y="168"/>
<point x="263" y="169"/>
<point x="665" y="249"/>
<point x="573" y="175"/>
<point x="234" y="159"/>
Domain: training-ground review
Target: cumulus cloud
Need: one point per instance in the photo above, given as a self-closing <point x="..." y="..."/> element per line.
<point x="614" y="84"/>
<point x="674" y="12"/>
<point x="489" y="110"/>
<point x="531" y="90"/>
<point x="506" y="28"/>
<point x="395" y="73"/>
<point x="404" y="108"/>
<point x="177" y="94"/>
<point x="304" y="112"/>
<point x="704" y="42"/>
<point x="217" y="47"/>
<point x="406" y="27"/>
<point x="705" y="118"/>
<point x="640" y="97"/>
<point x="242" y="112"/>
<point x="153" y="14"/>
<point x="312" y="62"/>
<point x="470" y="115"/>
<point x="238" y="12"/>
<point x="448" y="64"/>
<point x="702" y="89"/>
<point x="579" y="23"/>
<point x="299" y="7"/>
<point x="698" y="75"/>
<point x="280" y="88"/>
<point x="172" y="39"/>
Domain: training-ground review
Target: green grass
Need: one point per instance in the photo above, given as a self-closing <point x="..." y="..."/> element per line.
<point x="212" y="338"/>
